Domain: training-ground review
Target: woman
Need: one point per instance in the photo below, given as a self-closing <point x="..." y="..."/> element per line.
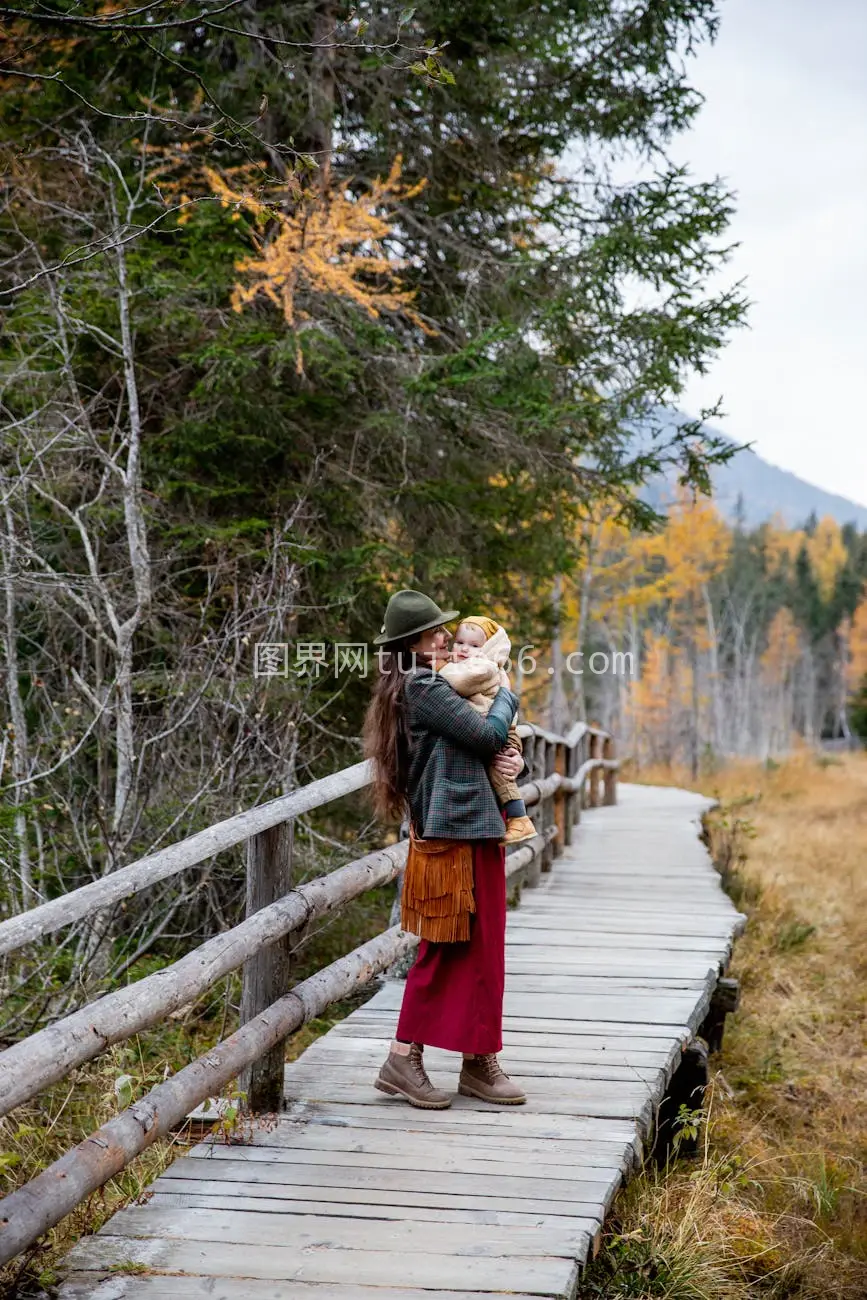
<point x="430" y="750"/>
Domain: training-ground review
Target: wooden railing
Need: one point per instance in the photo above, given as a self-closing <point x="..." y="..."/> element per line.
<point x="566" y="773"/>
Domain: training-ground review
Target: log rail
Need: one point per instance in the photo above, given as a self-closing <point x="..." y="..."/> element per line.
<point x="567" y="773"/>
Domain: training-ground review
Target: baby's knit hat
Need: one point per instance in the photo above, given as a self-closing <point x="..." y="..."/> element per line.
<point x="488" y="625"/>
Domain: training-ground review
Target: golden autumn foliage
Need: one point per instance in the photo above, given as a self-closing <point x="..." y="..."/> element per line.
<point x="782" y="545"/>
<point x="693" y="547"/>
<point x="657" y="696"/>
<point x="325" y="242"/>
<point x="854" y="636"/>
<point x="827" y="554"/>
<point x="25" y="50"/>
<point x="784" y="646"/>
<point x="825" y="549"/>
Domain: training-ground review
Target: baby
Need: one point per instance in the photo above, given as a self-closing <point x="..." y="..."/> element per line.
<point x="475" y="671"/>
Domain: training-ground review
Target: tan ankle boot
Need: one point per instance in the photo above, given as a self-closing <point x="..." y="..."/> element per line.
<point x="517" y="829"/>
<point x="405" y="1076"/>
<point x="482" y="1077"/>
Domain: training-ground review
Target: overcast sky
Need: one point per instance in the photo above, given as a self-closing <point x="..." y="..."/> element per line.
<point x="785" y="123"/>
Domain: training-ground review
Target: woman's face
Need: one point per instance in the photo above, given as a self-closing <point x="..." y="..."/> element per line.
<point x="432" y="642"/>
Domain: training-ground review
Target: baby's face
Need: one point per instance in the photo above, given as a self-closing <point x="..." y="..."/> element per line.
<point x="468" y="641"/>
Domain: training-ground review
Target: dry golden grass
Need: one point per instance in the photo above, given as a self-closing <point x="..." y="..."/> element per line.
<point x="776" y="1206"/>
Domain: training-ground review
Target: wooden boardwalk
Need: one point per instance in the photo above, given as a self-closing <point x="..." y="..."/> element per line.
<point x="611" y="963"/>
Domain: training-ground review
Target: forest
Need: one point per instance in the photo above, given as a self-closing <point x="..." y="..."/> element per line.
<point x="303" y="303"/>
<point x="712" y="641"/>
<point x="306" y="301"/>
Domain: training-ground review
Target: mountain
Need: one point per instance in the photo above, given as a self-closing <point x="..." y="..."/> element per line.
<point x="764" y="490"/>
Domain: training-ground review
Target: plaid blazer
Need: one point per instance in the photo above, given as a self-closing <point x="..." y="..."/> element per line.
<point x="450" y="746"/>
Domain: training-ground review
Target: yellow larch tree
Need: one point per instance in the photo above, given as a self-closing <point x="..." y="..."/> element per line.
<point x="827" y="554"/>
<point x="327" y="242"/>
<point x="778" y="664"/>
<point x="854" y="637"/>
<point x="782" y="544"/>
<point x="694" y="547"/>
<point x="685" y="556"/>
<point x="783" y="648"/>
<point x="659" y="700"/>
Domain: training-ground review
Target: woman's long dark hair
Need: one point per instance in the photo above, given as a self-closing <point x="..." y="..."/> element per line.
<point x="386" y="733"/>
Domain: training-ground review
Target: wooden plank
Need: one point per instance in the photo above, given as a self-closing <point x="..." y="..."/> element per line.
<point x="545" y="1097"/>
<point x="644" y="1053"/>
<point x="583" y="959"/>
<point x="576" y="900"/>
<point x="254" y="1164"/>
<point x="305" y="1232"/>
<point x="385" y="1018"/>
<point x="635" y="1008"/>
<point x="580" y="1049"/>
<point x="178" y="1287"/>
<point x="305" y="1163"/>
<point x="429" y="1147"/>
<point x="610" y="892"/>
<point x="537" y="1275"/>
<point x="619" y="932"/>
<point x="560" y="982"/>
<point x="255" y="1198"/>
<point x="460" y="1118"/>
<point x="526" y="1066"/>
<point x="662" y="1008"/>
<point x="289" y="1198"/>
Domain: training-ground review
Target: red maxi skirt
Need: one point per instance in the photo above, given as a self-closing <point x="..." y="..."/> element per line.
<point x="454" y="992"/>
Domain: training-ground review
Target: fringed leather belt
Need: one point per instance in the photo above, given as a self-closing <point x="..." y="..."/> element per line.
<point x="437" y="898"/>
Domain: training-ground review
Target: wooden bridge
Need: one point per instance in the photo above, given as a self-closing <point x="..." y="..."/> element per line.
<point x="614" y="965"/>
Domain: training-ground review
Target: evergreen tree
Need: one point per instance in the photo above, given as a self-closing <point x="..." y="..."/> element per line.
<point x="218" y="436"/>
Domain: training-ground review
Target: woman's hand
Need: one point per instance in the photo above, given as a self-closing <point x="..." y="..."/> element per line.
<point x="504" y="679"/>
<point x="508" y="763"/>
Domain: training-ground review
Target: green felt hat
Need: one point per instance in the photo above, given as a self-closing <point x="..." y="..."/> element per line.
<point x="409" y="612"/>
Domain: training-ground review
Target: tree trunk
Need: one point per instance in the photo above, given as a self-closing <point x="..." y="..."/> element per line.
<point x="321" y="123"/>
<point x="20" y="747"/>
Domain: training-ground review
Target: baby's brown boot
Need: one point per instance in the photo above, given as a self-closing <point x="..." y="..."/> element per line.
<point x="517" y="829"/>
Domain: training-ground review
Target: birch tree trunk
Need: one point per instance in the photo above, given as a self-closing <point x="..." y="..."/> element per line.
<point x="139" y="557"/>
<point x="20" y="748"/>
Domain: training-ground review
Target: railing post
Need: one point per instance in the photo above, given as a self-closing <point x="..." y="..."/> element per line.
<point x="595" y="773"/>
<point x="266" y="975"/>
<point x="573" y="801"/>
<point x="560" y="810"/>
<point x="528" y="745"/>
<point x="535" y="759"/>
<point x="610" y="777"/>
<point x="547" y="805"/>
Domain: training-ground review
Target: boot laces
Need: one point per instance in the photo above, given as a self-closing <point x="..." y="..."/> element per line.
<point x="490" y="1067"/>
<point x="416" y="1061"/>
